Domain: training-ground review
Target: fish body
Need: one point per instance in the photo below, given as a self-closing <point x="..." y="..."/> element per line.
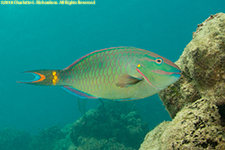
<point x="119" y="73"/>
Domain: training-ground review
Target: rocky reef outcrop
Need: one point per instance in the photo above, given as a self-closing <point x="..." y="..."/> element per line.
<point x="203" y="68"/>
<point x="197" y="101"/>
<point x="196" y="127"/>
<point x="114" y="125"/>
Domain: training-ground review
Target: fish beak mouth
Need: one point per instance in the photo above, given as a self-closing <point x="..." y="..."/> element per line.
<point x="176" y="74"/>
<point x="37" y="77"/>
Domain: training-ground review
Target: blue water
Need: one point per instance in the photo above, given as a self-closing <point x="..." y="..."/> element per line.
<point x="54" y="36"/>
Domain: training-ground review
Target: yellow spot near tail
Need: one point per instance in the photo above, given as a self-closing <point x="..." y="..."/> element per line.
<point x="55" y="78"/>
<point x="139" y="65"/>
<point x="53" y="73"/>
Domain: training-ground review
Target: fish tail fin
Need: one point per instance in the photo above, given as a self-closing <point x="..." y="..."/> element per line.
<point x="43" y="77"/>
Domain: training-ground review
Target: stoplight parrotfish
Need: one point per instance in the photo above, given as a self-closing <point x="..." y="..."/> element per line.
<point x="118" y="73"/>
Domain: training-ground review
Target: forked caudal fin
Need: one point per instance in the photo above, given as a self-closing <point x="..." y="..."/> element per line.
<point x="43" y="77"/>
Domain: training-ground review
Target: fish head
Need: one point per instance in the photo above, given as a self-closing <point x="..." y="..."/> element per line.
<point x="158" y="71"/>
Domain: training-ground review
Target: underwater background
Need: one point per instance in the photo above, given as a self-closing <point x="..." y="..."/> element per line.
<point x="54" y="36"/>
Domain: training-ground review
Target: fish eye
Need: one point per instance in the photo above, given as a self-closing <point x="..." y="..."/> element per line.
<point x="158" y="61"/>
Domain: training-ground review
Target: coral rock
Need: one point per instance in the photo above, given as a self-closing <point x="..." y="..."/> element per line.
<point x="195" y="127"/>
<point x="203" y="68"/>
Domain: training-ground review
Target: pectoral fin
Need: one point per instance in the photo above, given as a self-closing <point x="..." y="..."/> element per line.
<point x="127" y="80"/>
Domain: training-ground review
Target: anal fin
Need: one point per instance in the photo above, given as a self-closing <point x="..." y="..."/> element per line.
<point x="78" y="93"/>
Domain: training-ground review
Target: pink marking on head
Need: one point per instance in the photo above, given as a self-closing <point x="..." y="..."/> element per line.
<point x="170" y="63"/>
<point x="164" y="60"/>
<point x="146" y="78"/>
